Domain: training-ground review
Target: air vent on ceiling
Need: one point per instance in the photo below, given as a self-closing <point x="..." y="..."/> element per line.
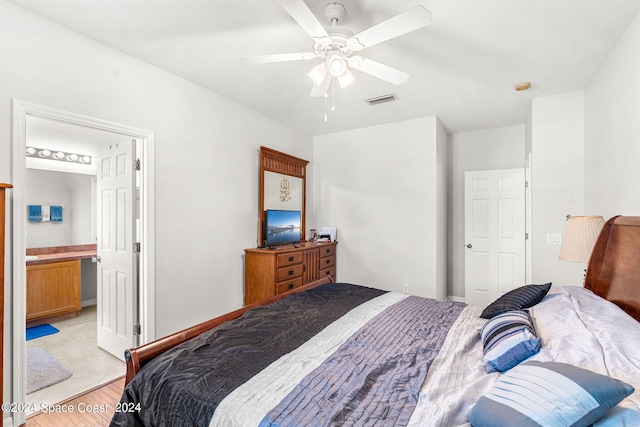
<point x="381" y="99"/>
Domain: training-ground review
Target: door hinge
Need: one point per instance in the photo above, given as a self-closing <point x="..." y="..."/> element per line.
<point x="137" y="329"/>
<point x="136" y="247"/>
<point x="526" y="184"/>
<point x="526" y="236"/>
<point x="136" y="165"/>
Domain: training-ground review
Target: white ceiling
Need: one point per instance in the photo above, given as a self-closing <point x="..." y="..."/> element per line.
<point x="463" y="66"/>
<point x="54" y="135"/>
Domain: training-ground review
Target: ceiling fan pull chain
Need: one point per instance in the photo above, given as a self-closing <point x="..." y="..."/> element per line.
<point x="333" y="95"/>
<point x="326" y="95"/>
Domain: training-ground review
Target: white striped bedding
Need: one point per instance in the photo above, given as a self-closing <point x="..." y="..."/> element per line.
<point x="574" y="325"/>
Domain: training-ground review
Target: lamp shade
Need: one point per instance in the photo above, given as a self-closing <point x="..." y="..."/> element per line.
<point x="580" y="237"/>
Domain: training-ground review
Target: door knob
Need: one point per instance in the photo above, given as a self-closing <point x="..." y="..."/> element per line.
<point x="96" y="259"/>
<point x="469" y="245"/>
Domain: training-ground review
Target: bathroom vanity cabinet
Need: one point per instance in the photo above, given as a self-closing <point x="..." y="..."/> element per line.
<point x="53" y="279"/>
<point x="53" y="288"/>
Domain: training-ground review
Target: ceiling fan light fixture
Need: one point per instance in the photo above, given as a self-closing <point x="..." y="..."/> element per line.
<point x="336" y="64"/>
<point x="345" y="79"/>
<point x="318" y="73"/>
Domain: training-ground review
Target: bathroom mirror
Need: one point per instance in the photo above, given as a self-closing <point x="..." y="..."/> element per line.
<point x="282" y="186"/>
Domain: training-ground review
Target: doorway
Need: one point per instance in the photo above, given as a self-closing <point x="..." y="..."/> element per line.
<point x="21" y="112"/>
<point x="494" y="233"/>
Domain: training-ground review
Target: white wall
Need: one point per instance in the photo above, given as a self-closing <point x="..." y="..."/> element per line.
<point x="612" y="130"/>
<point x="501" y="148"/>
<point x="205" y="152"/>
<point x="379" y="186"/>
<point x="73" y="192"/>
<point x="557" y="187"/>
<point x="48" y="188"/>
<point x="442" y="217"/>
<point x="83" y="210"/>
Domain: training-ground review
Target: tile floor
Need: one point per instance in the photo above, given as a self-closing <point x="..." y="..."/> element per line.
<point x="75" y="346"/>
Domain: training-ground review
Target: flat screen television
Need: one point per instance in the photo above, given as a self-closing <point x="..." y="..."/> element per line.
<point x="282" y="227"/>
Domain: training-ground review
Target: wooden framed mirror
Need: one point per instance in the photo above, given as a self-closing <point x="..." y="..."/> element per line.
<point x="282" y="186"/>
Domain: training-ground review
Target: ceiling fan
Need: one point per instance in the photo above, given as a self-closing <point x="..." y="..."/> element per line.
<point x="337" y="46"/>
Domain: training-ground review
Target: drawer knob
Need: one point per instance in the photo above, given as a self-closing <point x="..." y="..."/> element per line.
<point x="290" y="286"/>
<point x="328" y="250"/>
<point x="290" y="258"/>
<point x="328" y="261"/>
<point x="328" y="273"/>
<point x="290" y="272"/>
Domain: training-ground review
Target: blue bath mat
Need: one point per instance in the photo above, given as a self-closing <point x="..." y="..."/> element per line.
<point x="41" y="331"/>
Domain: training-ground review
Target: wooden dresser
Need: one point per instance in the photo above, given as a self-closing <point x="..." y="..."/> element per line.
<point x="3" y="205"/>
<point x="269" y="272"/>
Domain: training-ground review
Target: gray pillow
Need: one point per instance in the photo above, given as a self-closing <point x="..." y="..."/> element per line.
<point x="548" y="394"/>
<point x="517" y="299"/>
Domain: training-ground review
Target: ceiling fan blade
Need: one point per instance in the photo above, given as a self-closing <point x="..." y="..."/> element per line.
<point x="279" y="57"/>
<point x="304" y="17"/>
<point x="379" y="70"/>
<point x="411" y="20"/>
<point x="320" y="90"/>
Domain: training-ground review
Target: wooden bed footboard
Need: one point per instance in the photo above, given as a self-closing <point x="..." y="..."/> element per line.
<point x="137" y="357"/>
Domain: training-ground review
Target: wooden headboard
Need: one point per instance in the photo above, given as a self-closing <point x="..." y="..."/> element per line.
<point x="614" y="268"/>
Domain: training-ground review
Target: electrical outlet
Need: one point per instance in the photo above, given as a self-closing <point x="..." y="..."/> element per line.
<point x="405" y="288"/>
<point x="554" y="239"/>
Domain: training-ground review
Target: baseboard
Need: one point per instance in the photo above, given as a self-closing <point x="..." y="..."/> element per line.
<point x="88" y="302"/>
<point x="455" y="298"/>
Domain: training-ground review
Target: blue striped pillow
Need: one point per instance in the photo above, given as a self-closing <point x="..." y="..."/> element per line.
<point x="517" y="299"/>
<point x="548" y="394"/>
<point x="508" y="339"/>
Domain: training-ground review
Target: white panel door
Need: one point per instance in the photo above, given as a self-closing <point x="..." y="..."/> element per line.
<point x="117" y="281"/>
<point x="494" y="233"/>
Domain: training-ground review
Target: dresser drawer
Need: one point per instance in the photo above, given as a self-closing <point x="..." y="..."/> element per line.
<point x="327" y="251"/>
<point x="289" y="272"/>
<point x="328" y="271"/>
<point x="270" y="272"/>
<point x="289" y="259"/>
<point x="287" y="285"/>
<point x="329" y="261"/>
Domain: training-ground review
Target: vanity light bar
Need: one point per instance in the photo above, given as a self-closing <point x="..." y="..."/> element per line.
<point x="45" y="153"/>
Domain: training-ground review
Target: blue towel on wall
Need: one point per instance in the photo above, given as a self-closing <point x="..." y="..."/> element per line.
<point x="35" y="213"/>
<point x="55" y="213"/>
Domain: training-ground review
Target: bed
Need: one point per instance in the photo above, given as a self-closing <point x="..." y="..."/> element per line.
<point x="353" y="355"/>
